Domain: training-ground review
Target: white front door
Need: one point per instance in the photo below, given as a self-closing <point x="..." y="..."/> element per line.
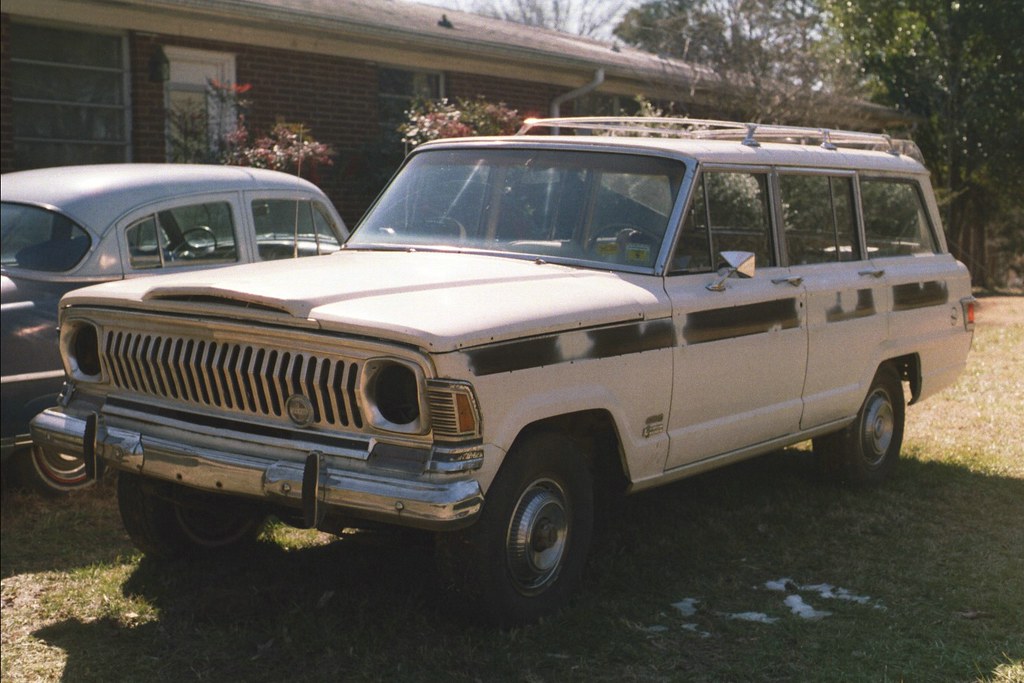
<point x="742" y="351"/>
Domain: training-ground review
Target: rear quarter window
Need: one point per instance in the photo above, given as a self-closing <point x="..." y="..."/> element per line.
<point x="286" y="228"/>
<point x="895" y="219"/>
<point x="38" y="239"/>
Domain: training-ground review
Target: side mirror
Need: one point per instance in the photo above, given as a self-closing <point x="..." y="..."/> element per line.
<point x="740" y="263"/>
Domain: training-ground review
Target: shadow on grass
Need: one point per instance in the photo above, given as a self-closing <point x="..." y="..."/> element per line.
<point x="937" y="548"/>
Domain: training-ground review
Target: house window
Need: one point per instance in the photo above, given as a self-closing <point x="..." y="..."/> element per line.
<point x="200" y="107"/>
<point x="398" y="90"/>
<point x="70" y="97"/>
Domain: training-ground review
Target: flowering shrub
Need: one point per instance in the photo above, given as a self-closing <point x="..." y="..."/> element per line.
<point x="433" y="120"/>
<point x="288" y="147"/>
<point x="215" y="132"/>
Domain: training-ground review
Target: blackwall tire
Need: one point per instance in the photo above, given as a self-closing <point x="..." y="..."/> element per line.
<point x="867" y="450"/>
<point x="166" y="524"/>
<point x="523" y="559"/>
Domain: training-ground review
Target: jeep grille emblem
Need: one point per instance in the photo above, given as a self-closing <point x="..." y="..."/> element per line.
<point x="300" y="410"/>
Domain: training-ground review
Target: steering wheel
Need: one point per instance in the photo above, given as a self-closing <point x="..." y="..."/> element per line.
<point x="445" y="226"/>
<point x="189" y="247"/>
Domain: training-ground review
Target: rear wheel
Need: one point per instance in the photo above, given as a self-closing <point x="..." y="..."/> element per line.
<point x="168" y="522"/>
<point x="866" y="451"/>
<point x="524" y="557"/>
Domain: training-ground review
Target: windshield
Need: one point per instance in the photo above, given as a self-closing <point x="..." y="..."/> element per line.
<point x="605" y="208"/>
<point x="38" y="239"/>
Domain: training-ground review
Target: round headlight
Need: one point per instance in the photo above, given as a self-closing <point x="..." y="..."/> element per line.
<point x="84" y="350"/>
<point x="397" y="394"/>
<point x="392" y="391"/>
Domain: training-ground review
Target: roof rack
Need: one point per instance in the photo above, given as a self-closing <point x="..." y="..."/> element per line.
<point x="749" y="134"/>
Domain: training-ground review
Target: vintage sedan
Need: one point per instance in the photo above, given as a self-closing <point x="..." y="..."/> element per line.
<point x="64" y="228"/>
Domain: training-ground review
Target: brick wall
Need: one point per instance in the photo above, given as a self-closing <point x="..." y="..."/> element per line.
<point x="148" y="117"/>
<point x="530" y="99"/>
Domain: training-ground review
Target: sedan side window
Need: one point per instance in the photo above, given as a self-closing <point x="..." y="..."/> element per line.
<point x="286" y="228"/>
<point x="183" y="236"/>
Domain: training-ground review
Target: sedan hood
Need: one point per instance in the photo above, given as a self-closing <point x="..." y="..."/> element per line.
<point x="437" y="301"/>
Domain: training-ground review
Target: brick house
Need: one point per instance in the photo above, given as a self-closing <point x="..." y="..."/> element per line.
<point x="94" y="80"/>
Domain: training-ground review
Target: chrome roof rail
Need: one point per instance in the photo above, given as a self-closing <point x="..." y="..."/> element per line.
<point x="749" y="134"/>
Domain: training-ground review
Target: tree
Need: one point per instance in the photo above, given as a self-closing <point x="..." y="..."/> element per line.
<point x="766" y="60"/>
<point x="591" y="18"/>
<point x="958" y="68"/>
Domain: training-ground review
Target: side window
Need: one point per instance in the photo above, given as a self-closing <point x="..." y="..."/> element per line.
<point x="183" y="236"/>
<point x="286" y="228"/>
<point x="144" y="244"/>
<point x="895" y="220"/>
<point x="818" y="219"/>
<point x="737" y="207"/>
<point x="693" y="252"/>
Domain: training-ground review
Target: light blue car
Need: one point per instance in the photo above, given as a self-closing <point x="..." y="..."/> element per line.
<point x="65" y="228"/>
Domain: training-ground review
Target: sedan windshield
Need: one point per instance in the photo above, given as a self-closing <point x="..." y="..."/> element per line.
<point x="603" y="208"/>
<point x="39" y="239"/>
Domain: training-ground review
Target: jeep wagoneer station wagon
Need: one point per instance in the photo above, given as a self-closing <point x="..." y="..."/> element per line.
<point x="519" y="328"/>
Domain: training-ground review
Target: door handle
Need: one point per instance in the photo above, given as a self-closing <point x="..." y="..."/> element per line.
<point x="794" y="280"/>
<point x="872" y="273"/>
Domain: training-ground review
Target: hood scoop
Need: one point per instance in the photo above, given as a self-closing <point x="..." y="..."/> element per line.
<point x="217" y="300"/>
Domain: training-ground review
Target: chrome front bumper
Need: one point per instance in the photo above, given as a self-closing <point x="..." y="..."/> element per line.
<point x="328" y="486"/>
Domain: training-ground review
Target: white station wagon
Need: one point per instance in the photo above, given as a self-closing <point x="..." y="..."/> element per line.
<point x="520" y="328"/>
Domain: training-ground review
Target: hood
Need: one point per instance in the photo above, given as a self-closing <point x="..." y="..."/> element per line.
<point x="437" y="301"/>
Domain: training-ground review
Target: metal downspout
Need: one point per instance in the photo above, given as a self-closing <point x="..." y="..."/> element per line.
<point x="556" y="104"/>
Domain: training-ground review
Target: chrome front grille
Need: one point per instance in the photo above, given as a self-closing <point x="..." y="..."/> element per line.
<point x="235" y="376"/>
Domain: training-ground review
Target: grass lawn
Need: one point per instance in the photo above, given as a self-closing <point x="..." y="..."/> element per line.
<point x="757" y="572"/>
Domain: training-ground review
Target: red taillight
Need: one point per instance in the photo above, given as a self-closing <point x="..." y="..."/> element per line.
<point x="968" y="304"/>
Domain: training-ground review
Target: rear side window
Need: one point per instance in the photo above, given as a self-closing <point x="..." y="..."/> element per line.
<point x="38" y="239"/>
<point x="817" y="218"/>
<point x="895" y="220"/>
<point x="286" y="228"/>
<point x="729" y="212"/>
<point x="195" y="234"/>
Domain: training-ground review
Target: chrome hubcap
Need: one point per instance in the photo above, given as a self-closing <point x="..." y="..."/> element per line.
<point x="537" y="536"/>
<point x="878" y="427"/>
<point x="59" y="468"/>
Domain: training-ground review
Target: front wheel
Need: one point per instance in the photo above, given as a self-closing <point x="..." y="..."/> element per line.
<point x="51" y="473"/>
<point x="866" y="451"/>
<point x="524" y="557"/>
<point x="172" y="522"/>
